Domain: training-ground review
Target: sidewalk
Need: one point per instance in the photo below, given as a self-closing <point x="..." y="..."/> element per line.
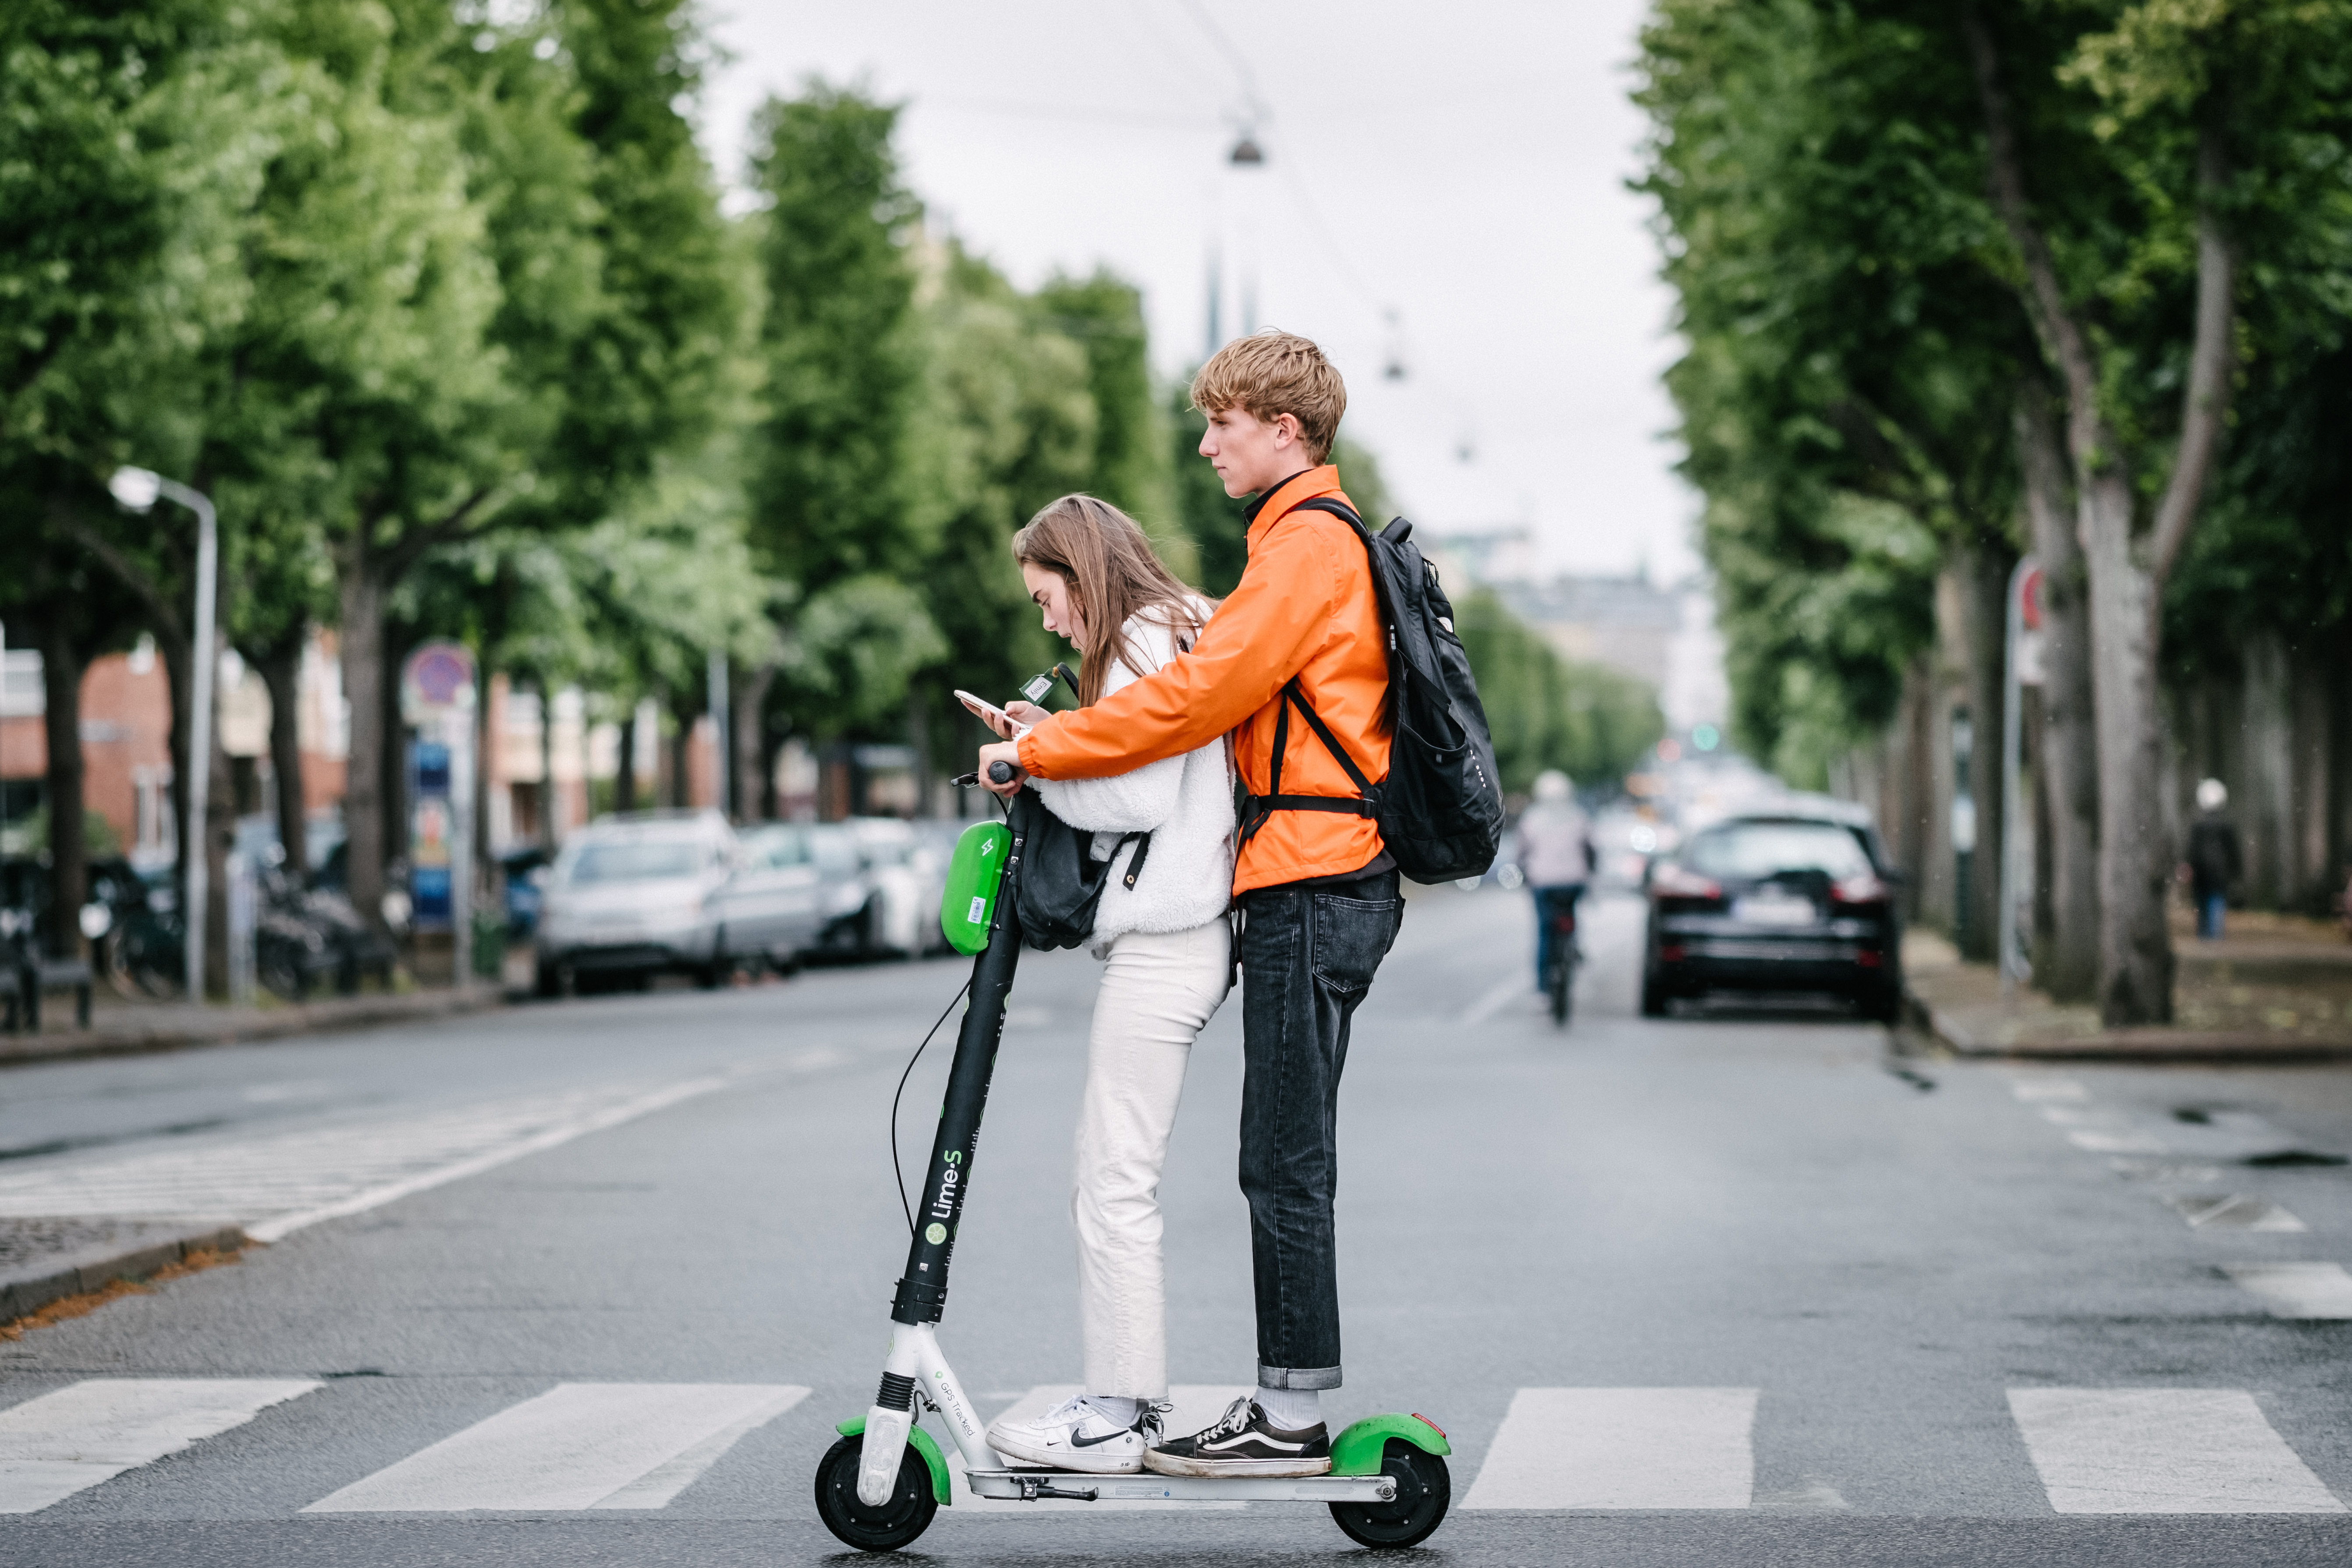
<point x="2277" y="989"/>
<point x="120" y="1028"/>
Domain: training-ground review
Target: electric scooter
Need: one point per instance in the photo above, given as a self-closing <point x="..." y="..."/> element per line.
<point x="879" y="1486"/>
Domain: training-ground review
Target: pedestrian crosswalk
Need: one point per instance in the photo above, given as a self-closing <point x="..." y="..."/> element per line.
<point x="586" y="1446"/>
<point x="1621" y="1448"/>
<point x="70" y="1440"/>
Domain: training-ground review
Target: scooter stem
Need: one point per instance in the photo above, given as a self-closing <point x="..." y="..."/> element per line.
<point x="947" y="1181"/>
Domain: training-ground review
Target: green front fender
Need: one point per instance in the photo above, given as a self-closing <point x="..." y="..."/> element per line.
<point x="1357" y="1451"/>
<point x="921" y="1441"/>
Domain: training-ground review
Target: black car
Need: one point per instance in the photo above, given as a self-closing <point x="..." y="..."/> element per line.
<point x="1775" y="903"/>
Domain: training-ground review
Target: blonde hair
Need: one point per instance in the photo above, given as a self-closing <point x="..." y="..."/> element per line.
<point x="1273" y="373"/>
<point x="1113" y="576"/>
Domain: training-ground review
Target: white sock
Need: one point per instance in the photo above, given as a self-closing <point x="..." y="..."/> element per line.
<point x="1119" y="1407"/>
<point x="1292" y="1409"/>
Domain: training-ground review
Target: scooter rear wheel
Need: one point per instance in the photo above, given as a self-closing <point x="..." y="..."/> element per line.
<point x="885" y="1528"/>
<point x="1424" y="1488"/>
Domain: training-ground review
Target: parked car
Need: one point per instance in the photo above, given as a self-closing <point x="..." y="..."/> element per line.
<point x="631" y="897"/>
<point x="1781" y="903"/>
<point x="773" y="911"/>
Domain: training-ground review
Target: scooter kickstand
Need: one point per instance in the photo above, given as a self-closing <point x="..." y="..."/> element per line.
<point x="1030" y="1490"/>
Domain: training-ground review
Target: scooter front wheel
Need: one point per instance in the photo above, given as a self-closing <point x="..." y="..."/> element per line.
<point x="1425" y="1489"/>
<point x="885" y="1528"/>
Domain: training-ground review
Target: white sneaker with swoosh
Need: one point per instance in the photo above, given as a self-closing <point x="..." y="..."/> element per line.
<point x="1074" y="1436"/>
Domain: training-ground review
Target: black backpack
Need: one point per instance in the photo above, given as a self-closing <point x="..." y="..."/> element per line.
<point x="1061" y="881"/>
<point x="1439" y="810"/>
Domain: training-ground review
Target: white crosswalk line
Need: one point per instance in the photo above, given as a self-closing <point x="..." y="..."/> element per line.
<point x="1193" y="1407"/>
<point x="578" y="1445"/>
<point x="2162" y="1450"/>
<point x="1621" y="1448"/>
<point x="279" y="1184"/>
<point x="65" y="1442"/>
<point x="2321" y="1291"/>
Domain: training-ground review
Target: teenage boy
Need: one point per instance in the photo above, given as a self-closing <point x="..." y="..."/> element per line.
<point x="1317" y="889"/>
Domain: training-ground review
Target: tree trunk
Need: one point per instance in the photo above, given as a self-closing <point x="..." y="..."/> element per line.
<point x="547" y="834"/>
<point x="364" y="823"/>
<point x="2066" y="958"/>
<point x="2267" y="809"/>
<point x="68" y="860"/>
<point x="280" y="669"/>
<point x="744" y="730"/>
<point x="2126" y="570"/>
<point x="624" y="766"/>
<point x="681" y="751"/>
<point x="2136" y="854"/>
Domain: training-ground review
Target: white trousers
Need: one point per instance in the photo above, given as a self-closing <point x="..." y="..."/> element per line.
<point x="1157" y="989"/>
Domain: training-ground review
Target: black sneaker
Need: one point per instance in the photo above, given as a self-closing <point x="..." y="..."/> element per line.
<point x="1243" y="1443"/>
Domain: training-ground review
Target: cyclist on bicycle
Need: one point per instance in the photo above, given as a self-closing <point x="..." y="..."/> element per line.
<point x="1555" y="856"/>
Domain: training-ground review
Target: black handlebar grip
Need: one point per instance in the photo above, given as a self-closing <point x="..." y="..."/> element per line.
<point x="1000" y="773"/>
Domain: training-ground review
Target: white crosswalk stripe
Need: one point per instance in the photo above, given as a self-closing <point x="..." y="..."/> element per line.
<point x="2162" y="1450"/>
<point x="578" y="1445"/>
<point x="2316" y="1291"/>
<point x="277" y="1184"/>
<point x="1192" y="1406"/>
<point x="1621" y="1448"/>
<point x="62" y="1443"/>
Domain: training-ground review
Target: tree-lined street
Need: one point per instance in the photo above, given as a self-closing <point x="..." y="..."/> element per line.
<point x="1733" y="1287"/>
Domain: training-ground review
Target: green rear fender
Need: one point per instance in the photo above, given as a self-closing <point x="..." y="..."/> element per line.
<point x="1357" y="1451"/>
<point x="921" y="1441"/>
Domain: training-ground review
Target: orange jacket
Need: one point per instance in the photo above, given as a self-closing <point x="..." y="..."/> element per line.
<point x="1306" y="607"/>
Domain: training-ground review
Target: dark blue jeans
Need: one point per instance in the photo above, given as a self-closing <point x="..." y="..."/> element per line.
<point x="1551" y="901"/>
<point x="1307" y="956"/>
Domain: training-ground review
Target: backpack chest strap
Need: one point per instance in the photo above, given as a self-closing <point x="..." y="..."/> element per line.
<point x="1258" y="807"/>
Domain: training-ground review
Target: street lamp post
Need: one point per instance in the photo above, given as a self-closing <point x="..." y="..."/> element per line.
<point x="137" y="490"/>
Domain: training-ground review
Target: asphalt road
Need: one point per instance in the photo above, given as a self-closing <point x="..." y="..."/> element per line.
<point x="589" y="1283"/>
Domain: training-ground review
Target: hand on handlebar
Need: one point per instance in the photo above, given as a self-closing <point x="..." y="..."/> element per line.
<point x="1009" y="755"/>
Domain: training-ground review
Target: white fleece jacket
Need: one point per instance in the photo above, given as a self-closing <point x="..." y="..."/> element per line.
<point x="1186" y="802"/>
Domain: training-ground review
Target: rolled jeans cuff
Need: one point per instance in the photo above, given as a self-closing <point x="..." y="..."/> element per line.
<point x="1301" y="1377"/>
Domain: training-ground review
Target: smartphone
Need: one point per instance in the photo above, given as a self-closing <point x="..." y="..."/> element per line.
<point x="992" y="712"/>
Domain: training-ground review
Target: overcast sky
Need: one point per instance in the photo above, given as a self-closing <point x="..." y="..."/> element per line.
<point x="1461" y="166"/>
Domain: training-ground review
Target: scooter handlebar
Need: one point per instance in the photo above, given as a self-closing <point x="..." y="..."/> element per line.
<point x="1000" y="773"/>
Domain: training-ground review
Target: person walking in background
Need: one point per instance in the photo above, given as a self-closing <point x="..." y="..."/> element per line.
<point x="2214" y="860"/>
<point x="1555" y="856"/>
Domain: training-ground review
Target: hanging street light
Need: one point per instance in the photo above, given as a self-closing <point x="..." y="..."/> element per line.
<point x="137" y="490"/>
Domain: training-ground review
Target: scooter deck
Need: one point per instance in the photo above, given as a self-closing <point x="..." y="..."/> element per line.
<point x="1030" y="1486"/>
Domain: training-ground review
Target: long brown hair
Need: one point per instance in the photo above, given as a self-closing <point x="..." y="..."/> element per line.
<point x="1113" y="573"/>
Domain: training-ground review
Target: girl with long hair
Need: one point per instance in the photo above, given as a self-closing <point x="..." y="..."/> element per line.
<point x="1166" y="952"/>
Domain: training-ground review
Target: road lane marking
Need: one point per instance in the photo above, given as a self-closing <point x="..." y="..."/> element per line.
<point x="70" y="1440"/>
<point x="1504" y="994"/>
<point x="2042" y="1090"/>
<point x="2232" y="1210"/>
<point x="278" y="1185"/>
<point x="1194" y="1405"/>
<point x="578" y="1445"/>
<point x="2316" y="1291"/>
<point x="2162" y="1450"/>
<point x="1621" y="1448"/>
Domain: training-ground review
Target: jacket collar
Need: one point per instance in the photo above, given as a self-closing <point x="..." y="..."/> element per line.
<point x="1270" y="507"/>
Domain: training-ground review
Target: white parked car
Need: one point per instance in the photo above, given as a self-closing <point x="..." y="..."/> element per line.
<point x="631" y="897"/>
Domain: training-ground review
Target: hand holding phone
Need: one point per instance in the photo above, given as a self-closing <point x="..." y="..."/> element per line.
<point x="995" y="718"/>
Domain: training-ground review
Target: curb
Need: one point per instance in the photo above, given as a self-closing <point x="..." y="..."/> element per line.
<point x="34" y="1288"/>
<point x="2153" y="1046"/>
<point x="314" y="1019"/>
